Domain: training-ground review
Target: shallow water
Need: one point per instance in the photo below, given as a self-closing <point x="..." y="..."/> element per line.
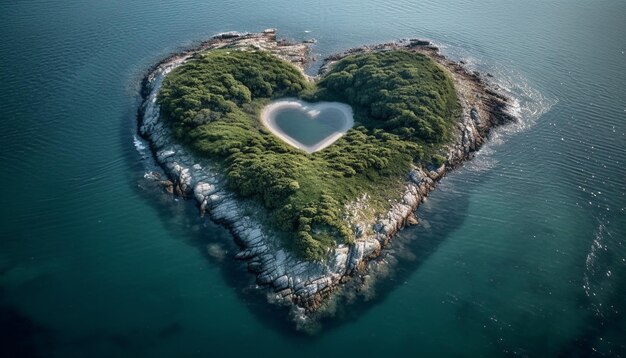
<point x="301" y="127"/>
<point x="309" y="126"/>
<point x="521" y="251"/>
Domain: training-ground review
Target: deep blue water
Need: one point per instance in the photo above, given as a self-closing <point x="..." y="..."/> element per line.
<point x="520" y="252"/>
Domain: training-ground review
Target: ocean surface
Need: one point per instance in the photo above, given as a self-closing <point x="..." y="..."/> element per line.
<point x="520" y="252"/>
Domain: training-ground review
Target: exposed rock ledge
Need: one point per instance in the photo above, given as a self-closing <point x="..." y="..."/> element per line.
<point x="306" y="286"/>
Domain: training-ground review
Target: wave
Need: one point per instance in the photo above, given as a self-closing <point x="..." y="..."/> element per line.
<point x="140" y="144"/>
<point x="527" y="103"/>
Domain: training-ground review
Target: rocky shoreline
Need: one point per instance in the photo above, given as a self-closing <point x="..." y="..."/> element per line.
<point x="307" y="286"/>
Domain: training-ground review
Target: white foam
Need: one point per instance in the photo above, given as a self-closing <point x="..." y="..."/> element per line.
<point x="140" y="144"/>
<point x="527" y="104"/>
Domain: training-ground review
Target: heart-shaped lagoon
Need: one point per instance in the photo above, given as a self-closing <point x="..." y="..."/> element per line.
<point x="307" y="126"/>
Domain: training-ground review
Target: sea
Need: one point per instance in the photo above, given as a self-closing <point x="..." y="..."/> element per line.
<point x="520" y="252"/>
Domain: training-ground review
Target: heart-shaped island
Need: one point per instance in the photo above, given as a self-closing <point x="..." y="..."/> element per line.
<point x="307" y="126"/>
<point x="237" y="125"/>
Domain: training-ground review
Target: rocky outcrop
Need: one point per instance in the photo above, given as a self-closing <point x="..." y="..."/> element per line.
<point x="306" y="285"/>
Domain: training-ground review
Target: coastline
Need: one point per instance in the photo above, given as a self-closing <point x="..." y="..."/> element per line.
<point x="303" y="285"/>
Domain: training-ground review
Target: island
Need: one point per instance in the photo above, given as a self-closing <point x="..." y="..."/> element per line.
<point x="313" y="175"/>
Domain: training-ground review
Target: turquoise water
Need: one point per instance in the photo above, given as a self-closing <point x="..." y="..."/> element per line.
<point x="520" y="252"/>
<point x="305" y="129"/>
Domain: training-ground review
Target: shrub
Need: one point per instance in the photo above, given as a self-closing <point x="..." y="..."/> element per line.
<point x="404" y="103"/>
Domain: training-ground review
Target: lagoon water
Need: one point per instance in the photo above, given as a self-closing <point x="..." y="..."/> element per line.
<point x="309" y="127"/>
<point x="305" y="129"/>
<point x="522" y="251"/>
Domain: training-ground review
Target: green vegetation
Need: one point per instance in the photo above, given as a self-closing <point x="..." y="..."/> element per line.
<point x="405" y="109"/>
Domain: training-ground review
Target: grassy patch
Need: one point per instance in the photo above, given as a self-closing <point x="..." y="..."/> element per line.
<point x="405" y="110"/>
